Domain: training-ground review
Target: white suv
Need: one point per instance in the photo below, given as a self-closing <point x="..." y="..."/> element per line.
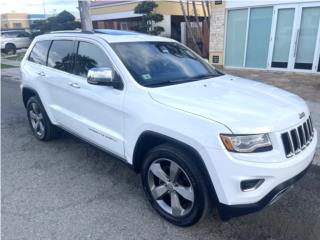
<point x="198" y="137"/>
<point x="14" y="39"/>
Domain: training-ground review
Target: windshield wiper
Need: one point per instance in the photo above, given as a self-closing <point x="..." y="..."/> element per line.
<point x="206" y="76"/>
<point x="159" y="84"/>
<point x="172" y="82"/>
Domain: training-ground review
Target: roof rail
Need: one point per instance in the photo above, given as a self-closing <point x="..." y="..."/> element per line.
<point x="72" y="31"/>
<point x="115" y="32"/>
<point x="101" y="31"/>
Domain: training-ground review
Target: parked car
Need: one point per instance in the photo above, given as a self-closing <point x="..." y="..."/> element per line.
<point x="199" y="138"/>
<point x="12" y="40"/>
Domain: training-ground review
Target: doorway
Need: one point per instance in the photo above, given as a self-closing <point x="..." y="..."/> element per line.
<point x="295" y="37"/>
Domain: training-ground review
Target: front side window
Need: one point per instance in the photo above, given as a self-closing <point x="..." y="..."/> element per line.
<point x="39" y="52"/>
<point x="162" y="63"/>
<point x="90" y="56"/>
<point x="61" y="55"/>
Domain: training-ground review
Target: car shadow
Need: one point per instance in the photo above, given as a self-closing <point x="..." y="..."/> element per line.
<point x="296" y="215"/>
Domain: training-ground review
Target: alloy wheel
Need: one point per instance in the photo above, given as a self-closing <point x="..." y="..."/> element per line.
<point x="171" y="187"/>
<point x="36" y="119"/>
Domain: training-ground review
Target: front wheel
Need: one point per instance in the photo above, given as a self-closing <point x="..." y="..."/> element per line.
<point x="174" y="185"/>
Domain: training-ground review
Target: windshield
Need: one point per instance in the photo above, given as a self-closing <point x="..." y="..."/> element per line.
<point x="162" y="63"/>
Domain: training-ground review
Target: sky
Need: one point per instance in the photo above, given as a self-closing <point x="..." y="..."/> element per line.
<point x="36" y="6"/>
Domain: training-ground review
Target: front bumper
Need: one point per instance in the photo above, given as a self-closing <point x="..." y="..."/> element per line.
<point x="227" y="170"/>
<point x="228" y="211"/>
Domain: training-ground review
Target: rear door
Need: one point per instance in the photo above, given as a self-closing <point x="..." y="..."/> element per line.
<point x="58" y="75"/>
<point x="22" y="40"/>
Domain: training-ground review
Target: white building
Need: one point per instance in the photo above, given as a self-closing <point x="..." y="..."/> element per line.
<point x="275" y="35"/>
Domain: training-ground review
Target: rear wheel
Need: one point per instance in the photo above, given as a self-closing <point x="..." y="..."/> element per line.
<point x="10" y="49"/>
<point x="39" y="121"/>
<point x="174" y="185"/>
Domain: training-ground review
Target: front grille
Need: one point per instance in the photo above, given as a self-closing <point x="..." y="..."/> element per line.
<point x="297" y="139"/>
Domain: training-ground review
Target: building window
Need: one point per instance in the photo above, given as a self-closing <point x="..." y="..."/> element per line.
<point x="17" y="25"/>
<point x="282" y="40"/>
<point x="248" y="34"/>
<point x="307" y="38"/>
<point x="236" y="37"/>
<point x="123" y="25"/>
<point x="258" y="37"/>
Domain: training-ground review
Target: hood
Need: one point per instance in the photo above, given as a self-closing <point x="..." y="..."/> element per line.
<point x="244" y="106"/>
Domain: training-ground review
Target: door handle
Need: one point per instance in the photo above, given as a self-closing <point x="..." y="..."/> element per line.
<point x="42" y="74"/>
<point x="74" y="85"/>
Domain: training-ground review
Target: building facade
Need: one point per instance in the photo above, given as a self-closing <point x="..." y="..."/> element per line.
<point x="120" y="15"/>
<point x="15" y="21"/>
<point x="274" y="35"/>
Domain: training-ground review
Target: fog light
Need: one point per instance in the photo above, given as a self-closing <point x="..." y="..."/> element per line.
<point x="250" y="185"/>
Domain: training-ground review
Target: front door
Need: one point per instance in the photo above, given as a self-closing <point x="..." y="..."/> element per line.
<point x="98" y="109"/>
<point x="295" y="37"/>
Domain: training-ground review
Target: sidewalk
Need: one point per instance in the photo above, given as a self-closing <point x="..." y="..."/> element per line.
<point x="305" y="85"/>
<point x="10" y="62"/>
<point x="12" y="73"/>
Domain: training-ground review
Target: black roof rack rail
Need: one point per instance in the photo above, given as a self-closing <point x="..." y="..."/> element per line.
<point x="71" y="31"/>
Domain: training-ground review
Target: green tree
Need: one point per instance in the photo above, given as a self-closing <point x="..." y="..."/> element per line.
<point x="63" y="21"/>
<point x="147" y="23"/>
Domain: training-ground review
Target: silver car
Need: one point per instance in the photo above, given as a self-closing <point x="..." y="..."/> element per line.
<point x="13" y="40"/>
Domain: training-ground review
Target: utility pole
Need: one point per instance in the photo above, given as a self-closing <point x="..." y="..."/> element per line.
<point x="86" y="22"/>
<point x="44" y="10"/>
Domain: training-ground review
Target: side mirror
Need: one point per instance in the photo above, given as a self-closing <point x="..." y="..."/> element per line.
<point x="104" y="76"/>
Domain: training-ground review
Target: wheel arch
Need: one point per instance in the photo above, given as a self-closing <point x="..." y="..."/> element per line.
<point x="28" y="92"/>
<point x="149" y="139"/>
<point x="10" y="43"/>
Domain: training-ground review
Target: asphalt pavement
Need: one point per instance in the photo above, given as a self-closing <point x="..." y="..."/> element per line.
<point x="68" y="189"/>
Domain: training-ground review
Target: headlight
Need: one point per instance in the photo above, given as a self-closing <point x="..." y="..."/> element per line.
<point x="246" y="143"/>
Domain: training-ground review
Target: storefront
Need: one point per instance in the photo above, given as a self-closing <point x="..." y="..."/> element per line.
<point x="285" y="36"/>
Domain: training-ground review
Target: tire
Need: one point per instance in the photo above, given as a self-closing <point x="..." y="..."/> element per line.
<point x="165" y="191"/>
<point x="39" y="121"/>
<point x="10" y="49"/>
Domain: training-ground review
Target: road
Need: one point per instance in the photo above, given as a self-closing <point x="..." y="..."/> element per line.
<point x="67" y="189"/>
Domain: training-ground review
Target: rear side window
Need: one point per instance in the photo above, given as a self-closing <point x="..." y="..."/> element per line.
<point x="90" y="56"/>
<point x="61" y="55"/>
<point x="23" y="34"/>
<point x="39" y="52"/>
